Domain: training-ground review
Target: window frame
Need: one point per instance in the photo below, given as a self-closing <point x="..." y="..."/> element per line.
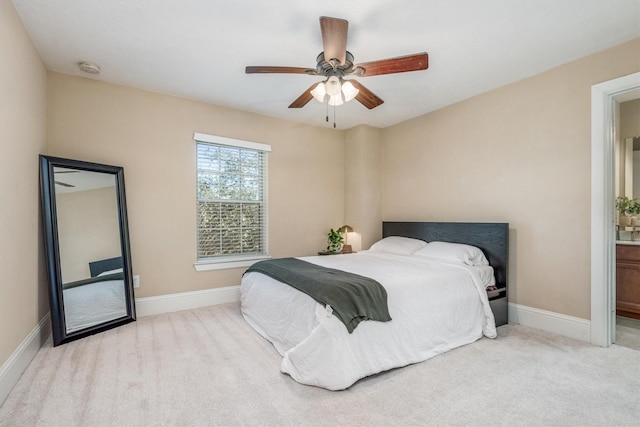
<point x="233" y="261"/>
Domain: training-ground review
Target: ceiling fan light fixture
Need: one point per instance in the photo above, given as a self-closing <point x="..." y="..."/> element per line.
<point x="349" y="91"/>
<point x="332" y="86"/>
<point x="336" y="100"/>
<point x="319" y="92"/>
<point x="337" y="90"/>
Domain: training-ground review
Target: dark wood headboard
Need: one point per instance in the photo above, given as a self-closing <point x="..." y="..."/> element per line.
<point x="97" y="267"/>
<point x="491" y="238"/>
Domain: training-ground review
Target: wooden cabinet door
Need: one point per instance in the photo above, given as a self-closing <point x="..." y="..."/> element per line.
<point x="628" y="280"/>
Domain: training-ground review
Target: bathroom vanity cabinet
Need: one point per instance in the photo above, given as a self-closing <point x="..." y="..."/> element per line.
<point x="628" y="280"/>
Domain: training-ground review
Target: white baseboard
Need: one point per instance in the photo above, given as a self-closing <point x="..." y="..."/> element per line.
<point x="561" y="324"/>
<point x="20" y="359"/>
<point x="186" y="300"/>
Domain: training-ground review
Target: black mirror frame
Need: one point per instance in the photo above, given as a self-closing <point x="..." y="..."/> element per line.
<point x="52" y="250"/>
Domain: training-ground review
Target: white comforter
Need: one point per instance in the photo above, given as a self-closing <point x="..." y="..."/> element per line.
<point x="435" y="307"/>
<point x="94" y="303"/>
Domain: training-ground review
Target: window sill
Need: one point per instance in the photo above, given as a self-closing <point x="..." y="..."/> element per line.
<point x="210" y="265"/>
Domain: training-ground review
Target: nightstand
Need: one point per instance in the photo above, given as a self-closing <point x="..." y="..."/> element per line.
<point x="334" y="253"/>
<point x="328" y="253"/>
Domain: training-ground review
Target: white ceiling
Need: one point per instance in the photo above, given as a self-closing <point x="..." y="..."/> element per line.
<point x="198" y="48"/>
<point x="81" y="180"/>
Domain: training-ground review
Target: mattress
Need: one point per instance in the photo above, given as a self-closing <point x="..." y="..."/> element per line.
<point x="435" y="306"/>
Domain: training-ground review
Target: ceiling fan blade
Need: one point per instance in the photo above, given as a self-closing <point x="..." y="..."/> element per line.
<point x="64" y="184"/>
<point x="334" y="38"/>
<point x="366" y="97"/>
<point x="401" y="64"/>
<point x="303" y="99"/>
<point x="283" y="70"/>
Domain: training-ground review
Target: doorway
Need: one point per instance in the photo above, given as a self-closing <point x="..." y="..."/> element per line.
<point x="604" y="99"/>
<point x="627" y="327"/>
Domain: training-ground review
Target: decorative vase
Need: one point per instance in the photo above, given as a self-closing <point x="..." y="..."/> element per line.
<point x="625" y="221"/>
<point x="334" y="247"/>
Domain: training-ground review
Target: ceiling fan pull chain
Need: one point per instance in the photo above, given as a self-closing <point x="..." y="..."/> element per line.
<point x="334" y="116"/>
<point x="327" y="117"/>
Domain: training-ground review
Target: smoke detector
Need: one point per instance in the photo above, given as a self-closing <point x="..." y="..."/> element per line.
<point x="89" y="68"/>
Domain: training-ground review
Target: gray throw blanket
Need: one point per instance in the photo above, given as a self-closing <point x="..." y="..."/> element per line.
<point x="353" y="298"/>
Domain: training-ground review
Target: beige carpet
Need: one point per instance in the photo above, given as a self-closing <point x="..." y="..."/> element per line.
<point x="208" y="367"/>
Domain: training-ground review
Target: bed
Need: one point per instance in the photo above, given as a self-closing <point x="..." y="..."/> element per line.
<point x="435" y="304"/>
<point x="100" y="298"/>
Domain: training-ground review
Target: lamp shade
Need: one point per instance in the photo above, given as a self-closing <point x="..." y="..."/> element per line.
<point x="346" y="229"/>
<point x="319" y="92"/>
<point x="332" y="86"/>
<point x="349" y="91"/>
<point x="336" y="100"/>
<point x="346" y="248"/>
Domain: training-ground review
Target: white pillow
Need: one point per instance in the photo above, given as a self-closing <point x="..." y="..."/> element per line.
<point x="104" y="273"/>
<point x="398" y="245"/>
<point x="453" y="252"/>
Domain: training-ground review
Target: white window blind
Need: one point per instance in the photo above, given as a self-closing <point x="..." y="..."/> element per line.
<point x="231" y="199"/>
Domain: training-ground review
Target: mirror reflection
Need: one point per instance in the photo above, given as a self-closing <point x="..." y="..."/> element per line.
<point x="87" y="247"/>
<point x="89" y="244"/>
<point x="635" y="167"/>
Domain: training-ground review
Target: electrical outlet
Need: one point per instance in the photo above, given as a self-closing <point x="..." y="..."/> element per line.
<point x="136" y="281"/>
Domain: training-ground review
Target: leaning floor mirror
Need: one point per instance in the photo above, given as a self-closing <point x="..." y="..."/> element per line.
<point x="86" y="247"/>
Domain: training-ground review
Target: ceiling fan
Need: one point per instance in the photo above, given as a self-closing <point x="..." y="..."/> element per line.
<point x="335" y="62"/>
<point x="64" y="184"/>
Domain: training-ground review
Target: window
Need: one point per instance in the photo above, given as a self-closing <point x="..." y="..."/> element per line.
<point x="231" y="196"/>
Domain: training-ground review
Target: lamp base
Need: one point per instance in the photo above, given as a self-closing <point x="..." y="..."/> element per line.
<point x="346" y="249"/>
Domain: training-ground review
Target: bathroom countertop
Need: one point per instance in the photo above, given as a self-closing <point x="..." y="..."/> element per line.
<point x="628" y="242"/>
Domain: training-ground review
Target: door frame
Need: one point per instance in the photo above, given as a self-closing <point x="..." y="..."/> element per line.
<point x="604" y="98"/>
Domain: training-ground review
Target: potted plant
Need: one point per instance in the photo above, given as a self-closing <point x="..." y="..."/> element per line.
<point x="335" y="239"/>
<point x="627" y="208"/>
<point x="633" y="211"/>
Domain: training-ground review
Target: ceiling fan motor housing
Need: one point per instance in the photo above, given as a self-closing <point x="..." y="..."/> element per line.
<point x="334" y="68"/>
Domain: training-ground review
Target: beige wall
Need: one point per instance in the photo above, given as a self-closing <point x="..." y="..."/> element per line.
<point x="23" y="289"/>
<point x="150" y="135"/>
<point x="518" y="154"/>
<point x="362" y="185"/>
